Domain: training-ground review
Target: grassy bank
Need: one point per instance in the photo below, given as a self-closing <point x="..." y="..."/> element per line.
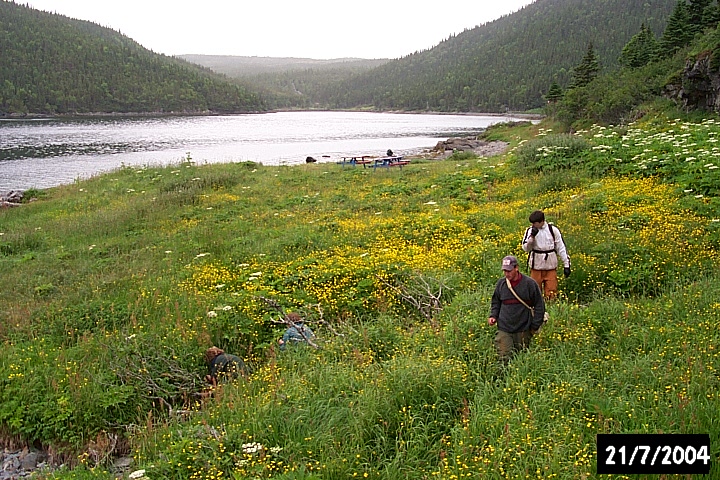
<point x="116" y="285"/>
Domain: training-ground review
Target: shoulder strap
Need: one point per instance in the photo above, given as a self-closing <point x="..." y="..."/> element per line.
<point x="520" y="299"/>
<point x="552" y="232"/>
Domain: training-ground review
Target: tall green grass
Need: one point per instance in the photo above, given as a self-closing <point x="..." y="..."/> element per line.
<point x="120" y="282"/>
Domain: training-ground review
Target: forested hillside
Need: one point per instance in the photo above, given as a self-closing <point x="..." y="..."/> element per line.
<point x="288" y="82"/>
<point x="53" y="64"/>
<point x="506" y="64"/>
<point x="306" y="88"/>
<point x="239" y="66"/>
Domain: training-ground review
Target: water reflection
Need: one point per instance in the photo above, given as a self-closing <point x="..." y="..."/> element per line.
<point x="49" y="152"/>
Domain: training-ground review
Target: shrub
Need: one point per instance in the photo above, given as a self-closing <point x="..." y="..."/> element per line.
<point x="553" y="152"/>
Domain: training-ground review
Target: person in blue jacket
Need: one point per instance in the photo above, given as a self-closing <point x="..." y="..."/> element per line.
<point x="296" y="333"/>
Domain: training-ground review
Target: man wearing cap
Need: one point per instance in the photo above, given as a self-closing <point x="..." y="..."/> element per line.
<point x="544" y="244"/>
<point x="517" y="308"/>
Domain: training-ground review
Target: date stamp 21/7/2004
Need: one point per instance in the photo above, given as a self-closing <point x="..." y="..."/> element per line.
<point x="653" y="454"/>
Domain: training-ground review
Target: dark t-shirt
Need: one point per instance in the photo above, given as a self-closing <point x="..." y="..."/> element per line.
<point x="227" y="366"/>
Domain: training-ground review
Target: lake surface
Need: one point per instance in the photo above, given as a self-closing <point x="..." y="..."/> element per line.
<point x="42" y="153"/>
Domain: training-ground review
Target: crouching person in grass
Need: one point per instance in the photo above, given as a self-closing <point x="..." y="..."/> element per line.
<point x="223" y="366"/>
<point x="297" y="332"/>
<point x="517" y="308"/>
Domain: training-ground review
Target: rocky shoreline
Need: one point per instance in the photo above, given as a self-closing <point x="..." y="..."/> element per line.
<point x="25" y="462"/>
<point x="481" y="148"/>
<point x="13" y="198"/>
<point x="15" y="464"/>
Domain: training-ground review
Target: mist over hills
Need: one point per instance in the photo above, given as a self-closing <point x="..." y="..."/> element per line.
<point x="243" y="66"/>
<point x="53" y="64"/>
<point x="506" y="64"/>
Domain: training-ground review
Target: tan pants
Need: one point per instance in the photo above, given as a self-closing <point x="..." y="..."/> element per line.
<point x="547" y="280"/>
<point x="507" y="344"/>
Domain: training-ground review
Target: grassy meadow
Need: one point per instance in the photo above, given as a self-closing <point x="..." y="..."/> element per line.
<point x="114" y="287"/>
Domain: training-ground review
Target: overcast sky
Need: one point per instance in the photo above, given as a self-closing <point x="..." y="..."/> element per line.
<point x="319" y="29"/>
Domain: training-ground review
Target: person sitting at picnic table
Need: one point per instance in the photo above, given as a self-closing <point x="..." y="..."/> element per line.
<point x="223" y="366"/>
<point x="389" y="153"/>
<point x="297" y="332"/>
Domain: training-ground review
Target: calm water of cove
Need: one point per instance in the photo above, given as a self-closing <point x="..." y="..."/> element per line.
<point x="43" y="153"/>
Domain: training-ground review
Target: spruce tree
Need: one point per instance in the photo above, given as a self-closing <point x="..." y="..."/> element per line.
<point x="554" y="94"/>
<point x="640" y="50"/>
<point x="697" y="13"/>
<point x="587" y="70"/>
<point x="678" y="31"/>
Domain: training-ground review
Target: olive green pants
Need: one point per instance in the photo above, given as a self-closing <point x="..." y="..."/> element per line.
<point x="506" y="344"/>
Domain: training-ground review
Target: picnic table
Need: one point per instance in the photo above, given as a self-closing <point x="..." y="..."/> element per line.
<point x="357" y="160"/>
<point x="390" y="161"/>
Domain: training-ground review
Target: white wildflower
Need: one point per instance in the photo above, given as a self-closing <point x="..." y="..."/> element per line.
<point x="212" y="314"/>
<point x="430" y="203"/>
<point x="251" y="448"/>
<point x="137" y="474"/>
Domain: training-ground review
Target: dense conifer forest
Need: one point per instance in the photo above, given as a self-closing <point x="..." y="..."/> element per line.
<point x="507" y="64"/>
<point x="51" y="64"/>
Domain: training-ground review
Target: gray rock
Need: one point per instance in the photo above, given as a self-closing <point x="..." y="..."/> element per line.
<point x="29" y="461"/>
<point x="122" y="464"/>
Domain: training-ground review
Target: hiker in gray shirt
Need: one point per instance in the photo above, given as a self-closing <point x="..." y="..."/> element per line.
<point x="517" y="308"/>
